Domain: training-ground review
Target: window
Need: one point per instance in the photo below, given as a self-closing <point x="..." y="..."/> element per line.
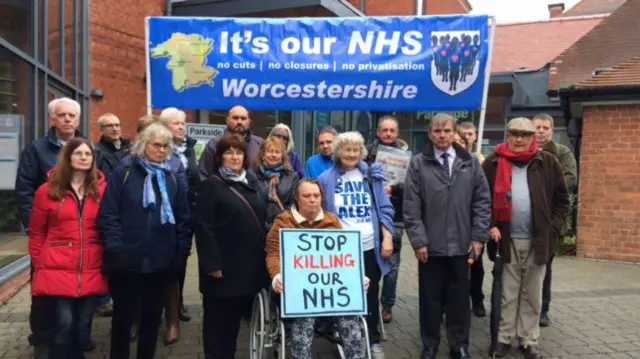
<point x="16" y="25"/>
<point x="16" y="78"/>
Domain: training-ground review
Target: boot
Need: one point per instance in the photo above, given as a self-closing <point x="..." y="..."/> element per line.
<point x="171" y="309"/>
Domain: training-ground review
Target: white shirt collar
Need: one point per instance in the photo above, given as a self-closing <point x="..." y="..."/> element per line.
<point x="438" y="153"/>
<point x="300" y="219"/>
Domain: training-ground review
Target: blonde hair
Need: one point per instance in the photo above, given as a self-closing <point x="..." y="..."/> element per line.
<point x="274" y="142"/>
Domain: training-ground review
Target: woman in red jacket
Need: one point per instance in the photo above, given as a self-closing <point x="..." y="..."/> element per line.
<point x="64" y="246"/>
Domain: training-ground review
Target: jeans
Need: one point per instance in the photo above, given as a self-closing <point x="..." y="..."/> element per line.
<point x="103" y="300"/>
<point x="41" y="319"/>
<point x="72" y="327"/>
<point x="136" y="294"/>
<point x="390" y="281"/>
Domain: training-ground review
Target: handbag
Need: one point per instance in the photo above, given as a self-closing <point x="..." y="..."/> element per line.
<point x="244" y="200"/>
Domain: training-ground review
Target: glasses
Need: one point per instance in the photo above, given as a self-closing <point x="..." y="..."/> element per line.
<point x="160" y="146"/>
<point x="82" y="154"/>
<point x="111" y="125"/>
<point x="520" y="134"/>
<point x="282" y="137"/>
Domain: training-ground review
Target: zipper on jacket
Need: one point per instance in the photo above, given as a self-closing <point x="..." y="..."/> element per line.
<point x="80" y="210"/>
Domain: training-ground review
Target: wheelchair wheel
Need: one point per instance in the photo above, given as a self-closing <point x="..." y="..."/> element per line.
<point x="281" y="351"/>
<point x="365" y="337"/>
<point x="341" y="351"/>
<point x="257" y="327"/>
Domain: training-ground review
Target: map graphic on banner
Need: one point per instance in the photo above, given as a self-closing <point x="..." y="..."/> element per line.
<point x="370" y="63"/>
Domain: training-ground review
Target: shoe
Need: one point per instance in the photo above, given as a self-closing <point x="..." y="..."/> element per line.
<point x="171" y="310"/>
<point x="41" y="352"/>
<point x="478" y="310"/>
<point x="461" y="353"/>
<point x="531" y="352"/>
<point x="183" y="315"/>
<point x="105" y="310"/>
<point x="500" y="350"/>
<point x="91" y="346"/>
<point x="428" y="353"/>
<point x="544" y="320"/>
<point x="387" y="314"/>
<point x="377" y="351"/>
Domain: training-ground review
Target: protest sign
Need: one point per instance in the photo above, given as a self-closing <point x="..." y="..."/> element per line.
<point x="395" y="163"/>
<point x="202" y="133"/>
<point x="407" y="63"/>
<point x="322" y="273"/>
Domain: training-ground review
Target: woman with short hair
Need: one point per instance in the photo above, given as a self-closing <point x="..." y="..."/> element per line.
<point x="145" y="224"/>
<point x="284" y="133"/>
<point x="230" y="240"/>
<point x="307" y="213"/>
<point x="64" y="246"/>
<point x="355" y="192"/>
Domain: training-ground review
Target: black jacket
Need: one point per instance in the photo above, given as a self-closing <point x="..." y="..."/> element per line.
<point x="286" y="192"/>
<point x="110" y="156"/>
<point x="133" y="236"/>
<point x="193" y="178"/>
<point x="229" y="238"/>
<point x="35" y="161"/>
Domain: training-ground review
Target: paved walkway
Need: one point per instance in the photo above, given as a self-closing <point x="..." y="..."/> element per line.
<point x="595" y="313"/>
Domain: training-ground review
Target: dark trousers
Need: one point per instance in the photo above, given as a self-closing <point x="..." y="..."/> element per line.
<point x="438" y="276"/>
<point x="546" y="289"/>
<point x="72" y="327"/>
<point x="477" y="277"/>
<point x="182" y="275"/>
<point x="41" y="319"/>
<point x="372" y="271"/>
<point x="133" y="294"/>
<point x="221" y="324"/>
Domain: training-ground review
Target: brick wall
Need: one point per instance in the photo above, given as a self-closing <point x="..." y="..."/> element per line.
<point x="609" y="207"/>
<point x="117" y="65"/>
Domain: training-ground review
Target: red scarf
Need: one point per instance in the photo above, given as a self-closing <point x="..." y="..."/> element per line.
<point x="502" y="187"/>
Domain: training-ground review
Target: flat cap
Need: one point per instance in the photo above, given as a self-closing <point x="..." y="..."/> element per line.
<point x="521" y="124"/>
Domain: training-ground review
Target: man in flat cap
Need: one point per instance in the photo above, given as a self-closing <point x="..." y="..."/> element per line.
<point x="529" y="205"/>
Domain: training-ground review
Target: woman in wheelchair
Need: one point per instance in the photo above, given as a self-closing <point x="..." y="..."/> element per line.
<point x="307" y="213"/>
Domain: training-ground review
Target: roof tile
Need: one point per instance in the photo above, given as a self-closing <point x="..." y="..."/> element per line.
<point x="625" y="74"/>
<point x="593" y="7"/>
<point x="532" y="45"/>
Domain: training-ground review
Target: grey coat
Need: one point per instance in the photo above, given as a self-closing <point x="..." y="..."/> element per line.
<point x="446" y="214"/>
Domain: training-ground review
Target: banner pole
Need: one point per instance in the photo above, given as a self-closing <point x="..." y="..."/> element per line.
<point x="148" y="64"/>
<point x="487" y="79"/>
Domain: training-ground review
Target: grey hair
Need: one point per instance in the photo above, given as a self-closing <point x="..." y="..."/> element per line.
<point x="106" y="116"/>
<point x="443" y="118"/>
<point x="282" y="126"/>
<point x="543" y="117"/>
<point x="143" y="138"/>
<point x="172" y="112"/>
<point x="351" y="138"/>
<point x="388" y="118"/>
<point x="53" y="105"/>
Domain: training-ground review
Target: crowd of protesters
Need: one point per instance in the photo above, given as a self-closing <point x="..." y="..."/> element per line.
<point x="111" y="226"/>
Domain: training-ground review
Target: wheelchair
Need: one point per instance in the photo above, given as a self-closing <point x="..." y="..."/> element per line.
<point x="269" y="334"/>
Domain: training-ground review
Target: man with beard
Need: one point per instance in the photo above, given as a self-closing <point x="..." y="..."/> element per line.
<point x="238" y="121"/>
<point x="387" y="134"/>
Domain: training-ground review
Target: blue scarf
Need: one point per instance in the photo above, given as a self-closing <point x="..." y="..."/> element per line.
<point x="149" y="195"/>
<point x="272" y="174"/>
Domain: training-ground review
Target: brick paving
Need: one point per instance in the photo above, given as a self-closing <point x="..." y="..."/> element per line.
<point x="595" y="314"/>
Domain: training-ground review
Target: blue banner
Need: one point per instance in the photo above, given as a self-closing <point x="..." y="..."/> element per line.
<point x="322" y="273"/>
<point x="368" y="64"/>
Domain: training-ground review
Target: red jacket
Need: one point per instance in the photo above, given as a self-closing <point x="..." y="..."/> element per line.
<point x="65" y="247"/>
